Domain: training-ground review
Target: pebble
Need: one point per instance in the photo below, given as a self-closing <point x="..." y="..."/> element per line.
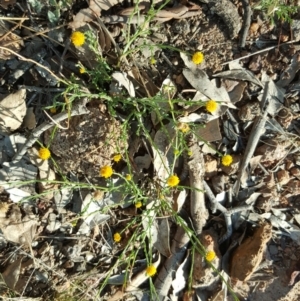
<point x="273" y="250"/>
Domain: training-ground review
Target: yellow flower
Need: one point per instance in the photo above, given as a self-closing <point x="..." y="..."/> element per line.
<point x="106" y="171"/>
<point x="198" y="57"/>
<point x="151" y="270"/>
<point x="138" y="204"/>
<point x="210" y="256"/>
<point x="183" y="127"/>
<point x="173" y="181"/>
<point x="190" y="153"/>
<point x="128" y="177"/>
<point x="227" y="160"/>
<point x="82" y="70"/>
<point x="53" y="110"/>
<point x="176" y="152"/>
<point x="44" y="153"/>
<point x="117" y="157"/>
<point x="117" y="237"/>
<point x="211" y="106"/>
<point x="77" y="38"/>
<point x="152" y="61"/>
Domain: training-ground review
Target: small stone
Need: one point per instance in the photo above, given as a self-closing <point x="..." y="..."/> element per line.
<point x="273" y="250"/>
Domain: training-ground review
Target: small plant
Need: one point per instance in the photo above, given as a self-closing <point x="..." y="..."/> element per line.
<point x="277" y="8"/>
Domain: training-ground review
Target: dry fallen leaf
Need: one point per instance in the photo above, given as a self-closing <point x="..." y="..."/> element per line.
<point x="18" y="228"/>
<point x="11" y="273"/>
<point x="12" y="111"/>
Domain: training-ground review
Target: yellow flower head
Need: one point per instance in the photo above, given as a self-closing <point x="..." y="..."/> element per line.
<point x="53" y="110"/>
<point x="227" y="160"/>
<point x="128" y="177"/>
<point x="173" y="181"/>
<point x="82" y="70"/>
<point x="44" y="153"/>
<point x="106" y="171"/>
<point x="117" y="157"/>
<point x="211" y="106"/>
<point x="77" y="38"/>
<point x="151" y="270"/>
<point x="210" y="256"/>
<point x="138" y="204"/>
<point x="152" y="61"/>
<point x="190" y="153"/>
<point x="176" y="152"/>
<point x="198" y="57"/>
<point x="183" y="127"/>
<point x="117" y="237"/>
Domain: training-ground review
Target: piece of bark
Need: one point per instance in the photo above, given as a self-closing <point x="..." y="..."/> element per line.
<point x="199" y="213"/>
<point x="248" y="256"/>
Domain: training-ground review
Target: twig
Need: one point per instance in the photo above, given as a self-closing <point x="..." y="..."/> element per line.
<point x="259" y="51"/>
<point x="246" y="22"/>
<point x="257" y="130"/>
<point x="215" y="205"/>
<point x="77" y="109"/>
<point x="199" y="213"/>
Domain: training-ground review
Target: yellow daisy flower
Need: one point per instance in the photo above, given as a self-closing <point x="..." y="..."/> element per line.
<point x="183" y="127"/>
<point x="173" y="181"/>
<point x="210" y="256"/>
<point x="106" y="171"/>
<point x="117" y="157"/>
<point x="53" y="110"/>
<point x="82" y="70"/>
<point x="138" y="204"/>
<point x="211" y="106"/>
<point x="77" y="38"/>
<point x="128" y="177"/>
<point x="117" y="237"/>
<point x="151" y="270"/>
<point x="198" y="57"/>
<point x="227" y="160"/>
<point x="44" y="153"/>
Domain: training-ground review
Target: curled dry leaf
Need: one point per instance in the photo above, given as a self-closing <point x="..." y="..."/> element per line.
<point x="12" y="111"/>
<point x="249" y="254"/>
<point x="17" y="227"/>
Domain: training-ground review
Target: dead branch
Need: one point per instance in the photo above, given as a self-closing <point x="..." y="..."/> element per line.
<point x="199" y="213"/>
<point x="257" y="130"/>
<point x="246" y="22"/>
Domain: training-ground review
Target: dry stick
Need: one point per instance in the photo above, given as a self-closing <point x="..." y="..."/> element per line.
<point x="257" y="130"/>
<point x="246" y="22"/>
<point x="199" y="213"/>
<point x="260" y="51"/>
<point x="77" y="109"/>
<point x="215" y="205"/>
<point x="164" y="279"/>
